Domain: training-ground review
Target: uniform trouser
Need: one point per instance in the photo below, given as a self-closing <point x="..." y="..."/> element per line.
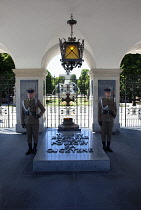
<point x="106" y="130"/>
<point x="32" y="130"/>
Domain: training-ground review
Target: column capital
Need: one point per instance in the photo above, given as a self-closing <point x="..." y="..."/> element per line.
<point x="30" y="72"/>
<point x="108" y="72"/>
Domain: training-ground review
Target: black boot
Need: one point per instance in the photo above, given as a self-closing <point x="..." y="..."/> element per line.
<point x="34" y="148"/>
<point x="29" y="151"/>
<point x="108" y="147"/>
<point x="104" y="146"/>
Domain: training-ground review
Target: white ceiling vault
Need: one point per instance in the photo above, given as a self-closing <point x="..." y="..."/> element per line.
<point x="30" y="30"/>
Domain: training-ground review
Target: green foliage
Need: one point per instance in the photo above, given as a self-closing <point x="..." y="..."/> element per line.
<point x="51" y="82"/>
<point x="73" y="78"/>
<point x="60" y="79"/>
<point x="83" y="82"/>
<point x="7" y="77"/>
<point x="6" y="66"/>
<point x="131" y="64"/>
<point x="130" y="78"/>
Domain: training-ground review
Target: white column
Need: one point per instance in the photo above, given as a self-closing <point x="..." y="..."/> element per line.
<point x="29" y="77"/>
<point x="105" y="75"/>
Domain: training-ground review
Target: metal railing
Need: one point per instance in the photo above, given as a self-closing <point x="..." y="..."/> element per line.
<point x="56" y="112"/>
<point x="7" y="103"/>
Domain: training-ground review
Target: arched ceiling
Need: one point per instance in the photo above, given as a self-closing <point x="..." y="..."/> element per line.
<point x="30" y="29"/>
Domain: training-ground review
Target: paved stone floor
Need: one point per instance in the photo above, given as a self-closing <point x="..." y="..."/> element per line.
<point x="118" y="189"/>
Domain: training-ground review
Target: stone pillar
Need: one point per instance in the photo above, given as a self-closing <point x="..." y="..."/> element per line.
<point x="100" y="79"/>
<point x="29" y="78"/>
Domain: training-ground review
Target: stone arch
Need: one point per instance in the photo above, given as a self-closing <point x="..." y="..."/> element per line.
<point x="4" y="49"/>
<point x="136" y="48"/>
<point x="132" y="86"/>
<point x="55" y="50"/>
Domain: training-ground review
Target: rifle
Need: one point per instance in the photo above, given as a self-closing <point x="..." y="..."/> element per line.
<point x="114" y="101"/>
<point x="36" y="96"/>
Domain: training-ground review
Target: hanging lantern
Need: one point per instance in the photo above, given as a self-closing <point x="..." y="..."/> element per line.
<point x="71" y="51"/>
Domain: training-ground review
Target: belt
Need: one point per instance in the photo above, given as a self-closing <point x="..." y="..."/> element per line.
<point x="107" y="112"/>
<point x="31" y="113"/>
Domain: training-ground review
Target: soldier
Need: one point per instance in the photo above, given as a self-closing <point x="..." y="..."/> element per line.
<point x="30" y="119"/>
<point x="106" y="113"/>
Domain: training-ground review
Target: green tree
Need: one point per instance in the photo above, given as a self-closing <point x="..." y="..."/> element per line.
<point x="83" y="82"/>
<point x="60" y="79"/>
<point x="73" y="78"/>
<point x="130" y="77"/>
<point x="7" y="77"/>
<point x="131" y="65"/>
<point x="52" y="82"/>
<point x="49" y="83"/>
<point x="6" y="66"/>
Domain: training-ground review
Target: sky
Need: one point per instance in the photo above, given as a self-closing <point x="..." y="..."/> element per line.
<point x="55" y="67"/>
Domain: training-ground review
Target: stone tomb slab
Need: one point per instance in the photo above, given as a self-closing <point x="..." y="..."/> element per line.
<point x="70" y="151"/>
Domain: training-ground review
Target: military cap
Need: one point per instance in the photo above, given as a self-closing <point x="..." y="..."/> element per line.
<point x="107" y="89"/>
<point x="30" y="90"/>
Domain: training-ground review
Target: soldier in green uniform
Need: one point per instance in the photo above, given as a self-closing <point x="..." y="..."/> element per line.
<point x="106" y="113"/>
<point x="30" y="119"/>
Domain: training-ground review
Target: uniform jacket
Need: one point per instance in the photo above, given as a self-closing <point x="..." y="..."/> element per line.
<point x="109" y="105"/>
<point x="32" y="107"/>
